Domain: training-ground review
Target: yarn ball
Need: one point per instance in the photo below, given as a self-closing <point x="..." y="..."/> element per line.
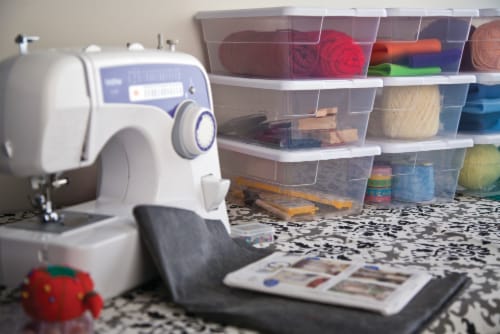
<point x="485" y="47"/>
<point x="406" y="112"/>
<point x="59" y="293"/>
<point x="481" y="167"/>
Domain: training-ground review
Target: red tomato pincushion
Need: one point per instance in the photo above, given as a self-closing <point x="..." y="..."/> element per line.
<point x="59" y="293"/>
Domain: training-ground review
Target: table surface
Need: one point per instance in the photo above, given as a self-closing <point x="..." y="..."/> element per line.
<point x="460" y="236"/>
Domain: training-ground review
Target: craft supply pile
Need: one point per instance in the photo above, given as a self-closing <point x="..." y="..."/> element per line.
<point x="289" y="107"/>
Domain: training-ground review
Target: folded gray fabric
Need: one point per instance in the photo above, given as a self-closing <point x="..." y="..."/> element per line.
<point x="193" y="255"/>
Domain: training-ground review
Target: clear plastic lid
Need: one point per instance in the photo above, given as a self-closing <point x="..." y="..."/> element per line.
<point x="298" y="155"/>
<point x="290" y="85"/>
<point x="488" y="78"/>
<point x="427" y="12"/>
<point x="429" y="80"/>
<point x="404" y="146"/>
<point x="493" y="138"/>
<point x="489" y="12"/>
<point x="289" y="11"/>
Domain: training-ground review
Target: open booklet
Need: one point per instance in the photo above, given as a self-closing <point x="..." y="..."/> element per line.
<point x="376" y="288"/>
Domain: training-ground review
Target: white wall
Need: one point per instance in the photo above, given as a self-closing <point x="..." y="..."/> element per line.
<point x="70" y="23"/>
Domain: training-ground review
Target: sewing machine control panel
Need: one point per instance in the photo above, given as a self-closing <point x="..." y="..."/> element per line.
<point x="161" y="85"/>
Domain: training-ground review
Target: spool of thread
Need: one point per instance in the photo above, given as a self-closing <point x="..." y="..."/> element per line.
<point x="378" y="189"/>
<point x="413" y="182"/>
<point x="485" y="47"/>
<point x="481" y="167"/>
<point x="406" y="112"/>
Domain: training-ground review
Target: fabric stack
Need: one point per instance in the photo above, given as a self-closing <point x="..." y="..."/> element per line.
<point x="292" y="54"/>
<point x="428" y="43"/>
<point x="481" y="112"/>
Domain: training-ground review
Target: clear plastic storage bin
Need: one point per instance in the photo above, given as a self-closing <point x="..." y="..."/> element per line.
<point x="419" y="108"/>
<point x="254" y="234"/>
<point x="481" y="113"/>
<point x="411" y="173"/>
<point x="481" y="52"/>
<point x="299" y="184"/>
<point x="480" y="175"/>
<point x="290" y="42"/>
<point x="293" y="114"/>
<point x="417" y="41"/>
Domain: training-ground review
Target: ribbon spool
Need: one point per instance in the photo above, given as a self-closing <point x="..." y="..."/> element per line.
<point x="413" y="182"/>
<point x="379" y="185"/>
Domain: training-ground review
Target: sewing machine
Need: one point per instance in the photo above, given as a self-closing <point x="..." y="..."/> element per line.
<point x="145" y="115"/>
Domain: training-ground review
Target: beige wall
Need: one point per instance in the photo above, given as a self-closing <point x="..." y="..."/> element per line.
<point x="70" y="23"/>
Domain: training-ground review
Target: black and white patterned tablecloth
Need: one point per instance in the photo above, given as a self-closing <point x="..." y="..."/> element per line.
<point x="461" y="236"/>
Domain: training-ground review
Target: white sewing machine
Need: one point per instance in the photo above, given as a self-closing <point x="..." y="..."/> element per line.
<point x="147" y="114"/>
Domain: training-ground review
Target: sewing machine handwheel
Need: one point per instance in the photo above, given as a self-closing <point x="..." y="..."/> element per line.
<point x="194" y="130"/>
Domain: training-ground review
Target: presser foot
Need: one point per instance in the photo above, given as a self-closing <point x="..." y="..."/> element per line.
<point x="43" y="200"/>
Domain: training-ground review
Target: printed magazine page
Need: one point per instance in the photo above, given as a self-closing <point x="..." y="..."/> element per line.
<point x="368" y="286"/>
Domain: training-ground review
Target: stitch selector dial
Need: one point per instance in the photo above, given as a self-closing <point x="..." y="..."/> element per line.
<point x="194" y="130"/>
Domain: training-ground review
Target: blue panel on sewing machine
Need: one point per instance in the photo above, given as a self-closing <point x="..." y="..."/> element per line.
<point x="160" y="85"/>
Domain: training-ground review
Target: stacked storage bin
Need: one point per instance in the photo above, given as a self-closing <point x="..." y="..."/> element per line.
<point x="480" y="119"/>
<point x="417" y="111"/>
<point x="292" y="104"/>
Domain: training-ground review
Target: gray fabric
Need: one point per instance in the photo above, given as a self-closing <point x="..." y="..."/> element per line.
<point x="193" y="255"/>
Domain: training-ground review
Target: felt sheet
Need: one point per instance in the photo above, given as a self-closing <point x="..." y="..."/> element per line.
<point x="391" y="51"/>
<point x="479" y="91"/>
<point x="394" y="70"/>
<point x="482" y="106"/>
<point x="480" y="122"/>
<point x="441" y="59"/>
<point x="292" y="54"/>
<point x="193" y="255"/>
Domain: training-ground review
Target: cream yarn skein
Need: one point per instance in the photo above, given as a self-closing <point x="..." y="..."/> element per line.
<point x="406" y="112"/>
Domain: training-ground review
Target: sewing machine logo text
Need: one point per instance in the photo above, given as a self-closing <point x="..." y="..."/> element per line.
<point x="113" y="82"/>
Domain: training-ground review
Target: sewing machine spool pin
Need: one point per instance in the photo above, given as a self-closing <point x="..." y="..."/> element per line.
<point x="23" y="41"/>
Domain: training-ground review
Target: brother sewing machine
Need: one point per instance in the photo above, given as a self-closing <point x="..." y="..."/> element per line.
<point x="146" y="114"/>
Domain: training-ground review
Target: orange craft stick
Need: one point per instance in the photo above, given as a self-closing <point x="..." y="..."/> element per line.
<point x="388" y="51"/>
<point x="318" y="197"/>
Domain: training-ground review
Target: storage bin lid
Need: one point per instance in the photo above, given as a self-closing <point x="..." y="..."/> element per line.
<point x="429" y="80"/>
<point x="403" y="146"/>
<point x="489" y="12"/>
<point x="287" y="85"/>
<point x="289" y="11"/>
<point x="298" y="155"/>
<point x="492" y="138"/>
<point x="419" y="12"/>
<point x="488" y="78"/>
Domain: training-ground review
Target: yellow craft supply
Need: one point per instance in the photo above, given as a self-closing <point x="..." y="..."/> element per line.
<point x="268" y="207"/>
<point x="317" y="123"/>
<point x="339" y="136"/>
<point x="322" y="112"/>
<point x="290" y="205"/>
<point x="314" y="196"/>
